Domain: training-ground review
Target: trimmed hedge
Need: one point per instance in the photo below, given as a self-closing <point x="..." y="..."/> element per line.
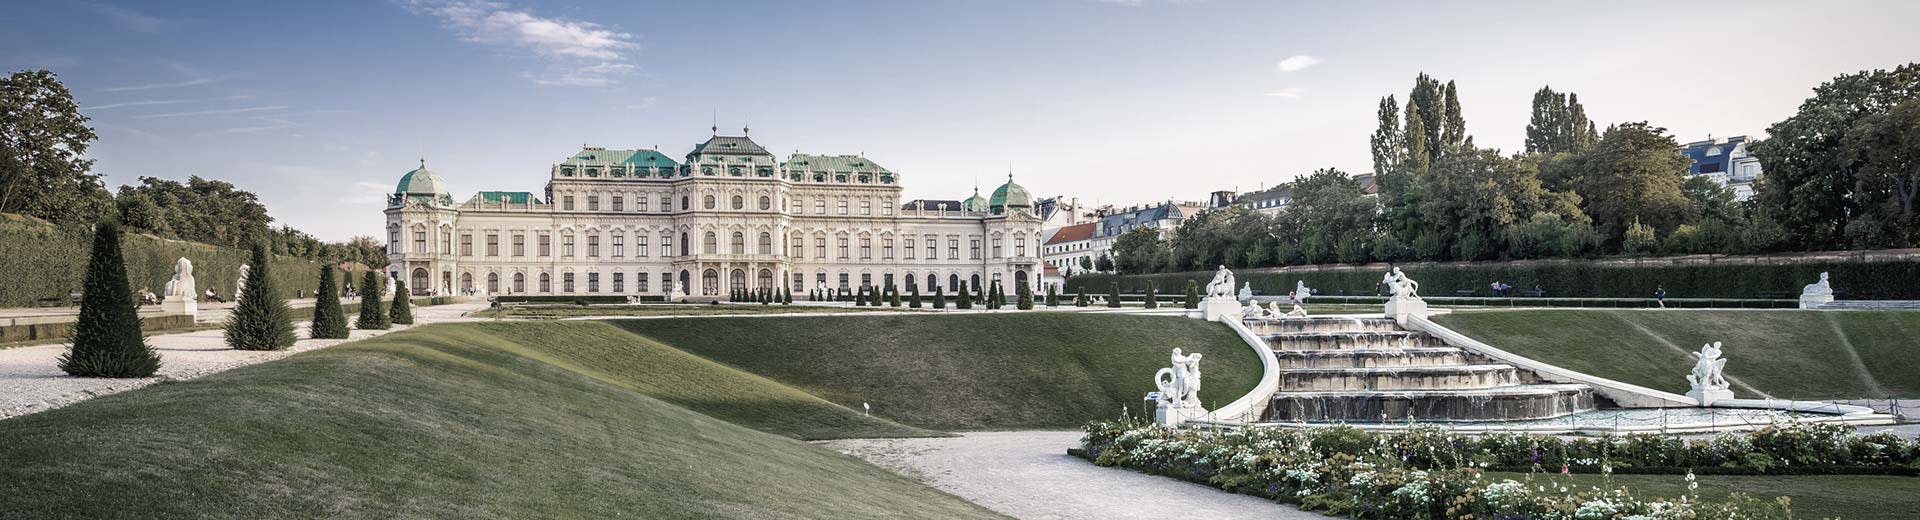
<point x="1862" y="280"/>
<point x="598" y="299"/>
<point x="45" y="261"/>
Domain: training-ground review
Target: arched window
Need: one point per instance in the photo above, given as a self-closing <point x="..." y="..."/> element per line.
<point x="466" y="281"/>
<point x="766" y="243"/>
<point x="519" y="282"/>
<point x="710" y="283"/>
<point x="975" y="284"/>
<point x="766" y="203"/>
<point x="766" y="279"/>
<point x="933" y="280"/>
<point x="737" y="279"/>
<point x="684" y="244"/>
<point x="546" y="283"/>
<point x="739" y="202"/>
<point x="708" y="202"/>
<point x="953" y="281"/>
<point x="711" y="245"/>
<point x="684" y="205"/>
<point x="739" y="243"/>
<point x="493" y="282"/>
<point x="419" y="280"/>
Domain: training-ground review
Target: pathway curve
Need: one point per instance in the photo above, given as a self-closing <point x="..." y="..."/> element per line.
<point x="1029" y="475"/>
<point x="31" y="380"/>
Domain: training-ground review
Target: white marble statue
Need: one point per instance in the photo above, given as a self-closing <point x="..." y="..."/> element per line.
<point x="181" y="285"/>
<point x="1708" y="376"/>
<point x="1401" y="286"/>
<point x="1180" y="384"/>
<point x="240" y="283"/>
<point x="1273" y="309"/>
<point x="1252" y="312"/>
<point x="1405" y="302"/>
<point x="1222" y="284"/>
<point x="1297" y="312"/>
<point x="1301" y="291"/>
<point x="1246" y="293"/>
<point x="390" y="285"/>
<point x="1816" y="294"/>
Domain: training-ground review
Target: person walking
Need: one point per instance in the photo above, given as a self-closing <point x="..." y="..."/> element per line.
<point x="1660" y="295"/>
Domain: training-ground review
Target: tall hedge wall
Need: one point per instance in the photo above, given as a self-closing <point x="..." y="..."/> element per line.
<point x="1877" y="280"/>
<point x="39" y="260"/>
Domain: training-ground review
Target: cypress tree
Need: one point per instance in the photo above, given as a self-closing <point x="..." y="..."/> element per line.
<point x="962" y="300"/>
<point x="999" y="295"/>
<point x="329" y="321"/>
<point x="1053" y="298"/>
<point x="939" y="298"/>
<point x="1025" y="301"/>
<point x="1153" y="300"/>
<point x="913" y="297"/>
<point x="1080" y="300"/>
<point x="893" y="296"/>
<point x="106" y="336"/>
<point x="262" y="320"/>
<point x="1113" y="298"/>
<point x="1193" y="294"/>
<point x="373" y="316"/>
<point x="786" y="296"/>
<point x="401" y="310"/>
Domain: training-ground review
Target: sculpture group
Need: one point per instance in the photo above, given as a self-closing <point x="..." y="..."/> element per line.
<point x="1401" y="287"/>
<point x="1179" y="397"/>
<point x="1707" y="378"/>
<point x="1222" y="284"/>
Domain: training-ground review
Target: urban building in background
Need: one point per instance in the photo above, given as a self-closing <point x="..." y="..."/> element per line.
<point x="1725" y="161"/>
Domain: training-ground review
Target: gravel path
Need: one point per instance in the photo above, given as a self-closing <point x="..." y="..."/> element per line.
<point x="1029" y="475"/>
<point x="31" y="380"/>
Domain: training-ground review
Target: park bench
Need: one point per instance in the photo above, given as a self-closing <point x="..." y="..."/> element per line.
<point x="58" y="301"/>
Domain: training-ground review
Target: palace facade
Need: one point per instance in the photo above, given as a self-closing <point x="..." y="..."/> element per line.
<point x="729" y="215"/>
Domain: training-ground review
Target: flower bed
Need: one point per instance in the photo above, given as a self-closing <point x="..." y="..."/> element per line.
<point x="1430" y="473"/>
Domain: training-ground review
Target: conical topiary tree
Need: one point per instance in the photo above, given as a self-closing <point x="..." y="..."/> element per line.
<point x="106" y="336"/>
<point x="893" y="296"/>
<point x="1193" y="294"/>
<point x="913" y="297"/>
<point x="1025" y="301"/>
<point x="373" y="316"/>
<point x="1113" y="297"/>
<point x="1053" y="298"/>
<point x="939" y="298"/>
<point x="1080" y="299"/>
<point x="786" y="296"/>
<point x="401" y="310"/>
<point x="1153" y="300"/>
<point x="261" y="321"/>
<point x="962" y="300"/>
<point x="329" y="320"/>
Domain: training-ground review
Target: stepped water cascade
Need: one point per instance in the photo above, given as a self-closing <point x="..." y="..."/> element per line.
<point x="1372" y="370"/>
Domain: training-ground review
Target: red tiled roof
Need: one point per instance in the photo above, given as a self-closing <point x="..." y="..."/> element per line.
<point x="1073" y="233"/>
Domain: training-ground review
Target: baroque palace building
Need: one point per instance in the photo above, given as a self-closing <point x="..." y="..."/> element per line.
<point x="731" y="215"/>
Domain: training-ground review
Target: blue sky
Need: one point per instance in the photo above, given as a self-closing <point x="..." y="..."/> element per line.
<point x="320" y="106"/>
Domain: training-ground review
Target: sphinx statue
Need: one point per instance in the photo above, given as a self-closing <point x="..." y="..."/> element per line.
<point x="180" y="294"/>
<point x="1820" y="288"/>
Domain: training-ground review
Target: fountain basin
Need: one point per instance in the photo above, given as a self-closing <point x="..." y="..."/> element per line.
<point x="1368" y="357"/>
<point x="1350" y="340"/>
<point x="1486" y="404"/>
<point x="1320" y="324"/>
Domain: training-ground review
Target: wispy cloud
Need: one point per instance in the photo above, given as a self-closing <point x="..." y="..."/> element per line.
<point x="1288" y="93"/>
<point x="215" y="112"/>
<point x="269" y="123"/>
<point x="1298" y="62"/>
<point x="152" y="102"/>
<point x="134" y="20"/>
<point x="579" y="53"/>
<point x="365" y="192"/>
<point x="202" y="80"/>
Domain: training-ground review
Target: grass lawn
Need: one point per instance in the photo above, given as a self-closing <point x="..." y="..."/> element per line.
<point x="970" y="371"/>
<point x="449" y="421"/>
<point x="1854" y="497"/>
<point x="1782" y="353"/>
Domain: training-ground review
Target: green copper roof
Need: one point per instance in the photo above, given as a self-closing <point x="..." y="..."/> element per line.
<point x="726" y="144"/>
<point x="832" y="163"/>
<point x="1010" y="195"/>
<point x="974" y="203"/>
<point x="510" y="197"/>
<point x="421" y="181"/>
<point x="602" y="156"/>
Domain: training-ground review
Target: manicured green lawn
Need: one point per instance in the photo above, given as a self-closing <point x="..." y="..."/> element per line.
<point x="1783" y="353"/>
<point x="973" y="371"/>
<point x="656" y="309"/>
<point x="1853" y="497"/>
<point x="451" y="421"/>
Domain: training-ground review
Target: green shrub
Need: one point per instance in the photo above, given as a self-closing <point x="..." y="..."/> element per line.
<point x="1113" y="295"/>
<point x="373" y="316"/>
<point x="913" y="297"/>
<point x="106" y="335"/>
<point x="1153" y="302"/>
<point x="939" y="298"/>
<point x="43" y="260"/>
<point x="401" y="310"/>
<point x="261" y="320"/>
<point x="1025" y="298"/>
<point x="329" y="320"/>
<point x="961" y="299"/>
<point x="1193" y="294"/>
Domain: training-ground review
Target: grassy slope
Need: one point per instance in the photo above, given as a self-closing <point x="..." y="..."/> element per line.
<point x="1855" y="497"/>
<point x="974" y="371"/>
<point x="442" y="421"/>
<point x="1787" y="354"/>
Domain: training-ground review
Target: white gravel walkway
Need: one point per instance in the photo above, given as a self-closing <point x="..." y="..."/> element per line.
<point x="1029" y="475"/>
<point x="31" y="380"/>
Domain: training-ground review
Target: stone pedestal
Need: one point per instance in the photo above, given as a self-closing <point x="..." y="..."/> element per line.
<point x="1809" y="301"/>
<point x="1402" y="308"/>
<point x="1706" y="397"/>
<point x="180" y="306"/>
<point x="1212" y="308"/>
<point x="1172" y="416"/>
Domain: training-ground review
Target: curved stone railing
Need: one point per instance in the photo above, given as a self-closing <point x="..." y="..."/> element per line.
<point x="1624" y="394"/>
<point x="1248" y="407"/>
